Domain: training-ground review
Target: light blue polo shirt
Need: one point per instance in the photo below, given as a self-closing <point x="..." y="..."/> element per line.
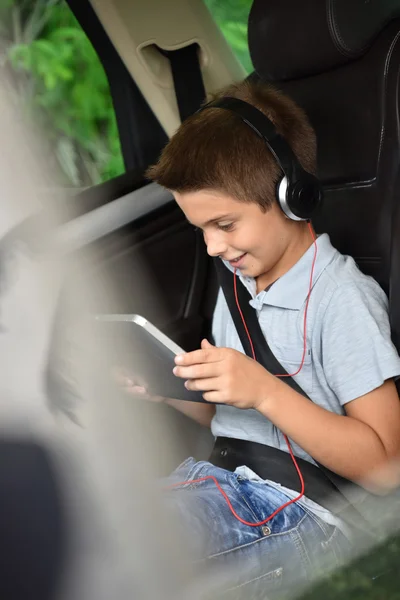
<point x="349" y="348"/>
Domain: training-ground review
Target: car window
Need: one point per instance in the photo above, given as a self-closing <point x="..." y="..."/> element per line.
<point x="61" y="86"/>
<point x="232" y="16"/>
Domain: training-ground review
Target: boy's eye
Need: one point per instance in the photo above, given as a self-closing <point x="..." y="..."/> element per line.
<point x="227" y="227"/>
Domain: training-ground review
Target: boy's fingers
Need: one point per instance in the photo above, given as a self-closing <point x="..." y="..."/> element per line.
<point x="197" y="371"/>
<point x="196" y="357"/>
<point x="134" y="389"/>
<point x="133" y="385"/>
<point x="126" y="379"/>
<point x="213" y="397"/>
<point x="141" y="391"/>
<point x="202" y="385"/>
<point x="206" y="344"/>
<point x="137" y="389"/>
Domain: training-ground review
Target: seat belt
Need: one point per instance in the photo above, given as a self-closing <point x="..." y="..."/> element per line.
<point x="188" y="80"/>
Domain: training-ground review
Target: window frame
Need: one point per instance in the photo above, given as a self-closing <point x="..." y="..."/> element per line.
<point x="141" y="135"/>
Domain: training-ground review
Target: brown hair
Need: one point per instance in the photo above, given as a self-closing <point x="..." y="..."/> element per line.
<point x="215" y="150"/>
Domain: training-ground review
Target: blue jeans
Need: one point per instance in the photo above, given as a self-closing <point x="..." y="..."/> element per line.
<point x="250" y="562"/>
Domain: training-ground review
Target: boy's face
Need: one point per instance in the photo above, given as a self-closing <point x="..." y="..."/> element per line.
<point x="253" y="241"/>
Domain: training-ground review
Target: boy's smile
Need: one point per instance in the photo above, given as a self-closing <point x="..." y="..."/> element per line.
<point x="263" y="245"/>
<point x="238" y="262"/>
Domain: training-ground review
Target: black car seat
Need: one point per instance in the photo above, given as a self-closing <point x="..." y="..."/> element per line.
<point x="340" y="61"/>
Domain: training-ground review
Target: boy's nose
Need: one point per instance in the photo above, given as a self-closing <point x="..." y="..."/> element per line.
<point x="215" y="246"/>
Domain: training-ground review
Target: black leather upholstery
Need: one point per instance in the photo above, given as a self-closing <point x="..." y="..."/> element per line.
<point x="354" y="110"/>
<point x="312" y="36"/>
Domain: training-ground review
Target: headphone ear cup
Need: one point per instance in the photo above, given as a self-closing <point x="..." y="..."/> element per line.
<point x="282" y="196"/>
<point x="300" y="200"/>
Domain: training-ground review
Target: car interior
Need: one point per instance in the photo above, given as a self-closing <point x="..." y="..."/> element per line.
<point x="339" y="60"/>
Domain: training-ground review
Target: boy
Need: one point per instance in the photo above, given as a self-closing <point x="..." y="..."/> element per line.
<point x="223" y="177"/>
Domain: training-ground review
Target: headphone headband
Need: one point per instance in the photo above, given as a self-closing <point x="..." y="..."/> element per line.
<point x="298" y="192"/>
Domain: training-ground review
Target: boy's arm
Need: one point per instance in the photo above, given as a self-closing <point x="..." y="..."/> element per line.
<point x="363" y="445"/>
<point x="202" y="413"/>
<point x="359" y="363"/>
<point x="357" y="446"/>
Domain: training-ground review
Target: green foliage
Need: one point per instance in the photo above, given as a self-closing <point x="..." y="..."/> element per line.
<point x="65" y="90"/>
<point x="231" y="16"/>
<point x="63" y="87"/>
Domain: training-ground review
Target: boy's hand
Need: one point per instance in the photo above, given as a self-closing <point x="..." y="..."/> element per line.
<point x="225" y="375"/>
<point x="133" y="385"/>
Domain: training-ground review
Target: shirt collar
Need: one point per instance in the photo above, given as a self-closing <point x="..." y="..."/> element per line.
<point x="291" y="289"/>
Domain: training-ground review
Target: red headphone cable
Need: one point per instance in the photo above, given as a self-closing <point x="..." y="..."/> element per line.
<point x="301" y="494"/>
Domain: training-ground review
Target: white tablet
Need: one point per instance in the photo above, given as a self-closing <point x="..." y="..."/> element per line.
<point x="145" y="351"/>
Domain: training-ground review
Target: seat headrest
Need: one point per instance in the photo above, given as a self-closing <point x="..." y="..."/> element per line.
<point x="289" y="39"/>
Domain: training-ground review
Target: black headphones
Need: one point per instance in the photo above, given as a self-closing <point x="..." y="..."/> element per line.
<point x="298" y="192"/>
